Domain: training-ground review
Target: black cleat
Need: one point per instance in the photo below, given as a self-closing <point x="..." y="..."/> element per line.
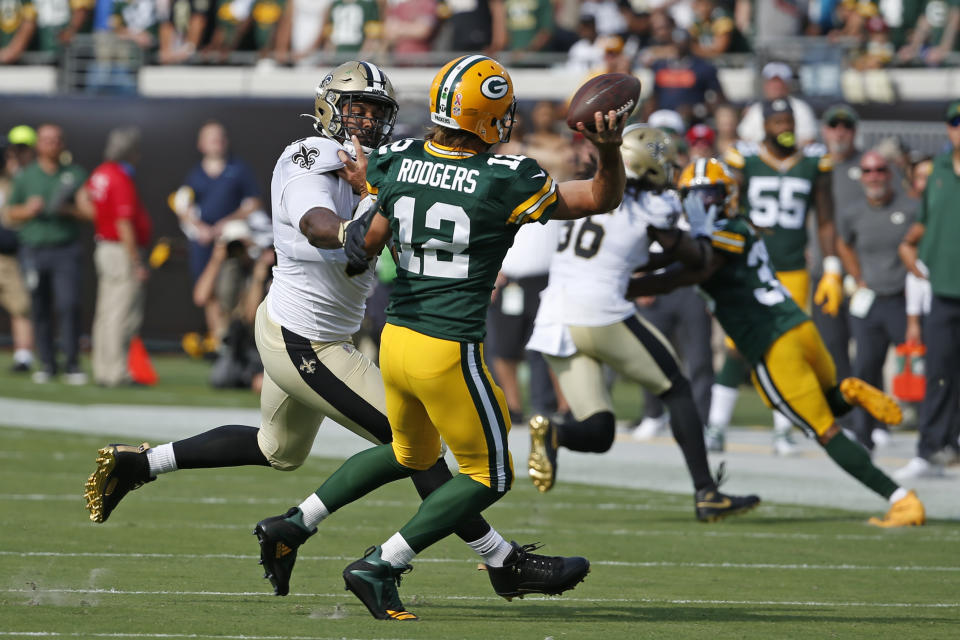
<point x="375" y="582"/>
<point x="121" y="468"/>
<point x="542" y="463"/>
<point x="279" y="540"/>
<point x="713" y="506"/>
<point x="524" y="572"/>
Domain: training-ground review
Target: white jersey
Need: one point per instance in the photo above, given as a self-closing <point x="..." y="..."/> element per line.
<point x="590" y="272"/>
<point x="311" y="294"/>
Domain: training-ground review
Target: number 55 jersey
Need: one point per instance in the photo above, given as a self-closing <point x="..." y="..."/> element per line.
<point x="453" y="215"/>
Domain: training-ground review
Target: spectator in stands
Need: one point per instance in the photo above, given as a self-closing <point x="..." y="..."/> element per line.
<point x="585" y="54"/>
<point x="48" y="202"/>
<point x="726" y="117"/>
<point x="714" y="32"/>
<point x="17" y="26"/>
<point x="639" y="28"/>
<point x="137" y="21"/>
<point x="935" y="36"/>
<point x="660" y="45"/>
<point x="219" y="189"/>
<point x="530" y="25"/>
<point x="770" y="21"/>
<point x="878" y="50"/>
<point x="236" y="277"/>
<point x="17" y="152"/>
<point x="867" y="240"/>
<point x="777" y="77"/>
<point x="609" y="20"/>
<point x="701" y="142"/>
<point x="58" y="21"/>
<point x="352" y="26"/>
<point x="474" y="26"/>
<point x="181" y="27"/>
<point x="919" y="172"/>
<point x="615" y="60"/>
<point x="934" y="239"/>
<point x="684" y="82"/>
<point x="122" y="230"/>
<point x="410" y="25"/>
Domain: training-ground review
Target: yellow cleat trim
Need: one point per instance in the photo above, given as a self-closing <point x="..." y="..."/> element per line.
<point x="874" y="401"/>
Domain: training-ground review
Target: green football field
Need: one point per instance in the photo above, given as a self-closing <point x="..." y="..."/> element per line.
<point x="177" y="560"/>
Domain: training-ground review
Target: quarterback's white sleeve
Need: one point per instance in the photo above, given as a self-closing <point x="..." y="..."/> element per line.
<point x="310" y="190"/>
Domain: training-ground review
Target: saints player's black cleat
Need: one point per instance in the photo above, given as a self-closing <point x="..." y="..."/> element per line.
<point x="375" y="582"/>
<point x="279" y="539"/>
<point x="542" y="463"/>
<point x="525" y="572"/>
<point x="121" y="468"/>
<point x="711" y="505"/>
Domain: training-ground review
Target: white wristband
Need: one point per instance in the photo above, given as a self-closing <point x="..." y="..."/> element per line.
<point x="832" y="264"/>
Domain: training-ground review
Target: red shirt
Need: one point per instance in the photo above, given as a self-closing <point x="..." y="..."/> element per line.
<point x="115" y="198"/>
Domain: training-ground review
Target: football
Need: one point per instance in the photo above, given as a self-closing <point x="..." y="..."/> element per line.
<point x="619" y="92"/>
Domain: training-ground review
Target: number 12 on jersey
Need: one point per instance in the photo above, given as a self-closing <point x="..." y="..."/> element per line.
<point x="440" y="240"/>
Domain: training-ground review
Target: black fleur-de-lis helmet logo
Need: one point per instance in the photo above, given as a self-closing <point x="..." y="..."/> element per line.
<point x="305" y="157"/>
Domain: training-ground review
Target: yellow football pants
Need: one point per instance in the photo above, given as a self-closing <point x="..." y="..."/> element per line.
<point x="794" y="374"/>
<point x="442" y="389"/>
<point x="798" y="284"/>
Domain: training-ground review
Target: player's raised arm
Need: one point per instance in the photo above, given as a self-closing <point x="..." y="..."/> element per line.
<point x="603" y="192"/>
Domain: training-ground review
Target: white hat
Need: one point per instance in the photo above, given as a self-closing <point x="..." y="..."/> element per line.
<point x="234" y="230"/>
<point x="667" y="119"/>
<point x="777" y="70"/>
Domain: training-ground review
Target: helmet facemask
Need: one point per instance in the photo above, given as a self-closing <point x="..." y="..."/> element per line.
<point x="373" y="131"/>
<point x="505" y="124"/>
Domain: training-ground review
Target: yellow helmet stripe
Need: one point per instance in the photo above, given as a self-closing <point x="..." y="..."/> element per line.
<point x="443" y="98"/>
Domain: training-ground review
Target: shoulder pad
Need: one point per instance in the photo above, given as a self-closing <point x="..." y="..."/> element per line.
<point x="815" y="149"/>
<point x="309" y="155"/>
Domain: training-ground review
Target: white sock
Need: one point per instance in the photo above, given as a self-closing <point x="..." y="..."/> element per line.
<point x="23" y="356"/>
<point x="314" y="511"/>
<point x="161" y="459"/>
<point x="492" y="548"/>
<point x="722" y="402"/>
<point x="781" y="424"/>
<point x="396" y="551"/>
<point x="897" y="495"/>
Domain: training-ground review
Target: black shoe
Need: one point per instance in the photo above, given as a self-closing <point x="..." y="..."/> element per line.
<point x="121" y="468"/>
<point x="525" y="572"/>
<point x="20" y="367"/>
<point x="542" y="463"/>
<point x="712" y="506"/>
<point x="375" y="582"/>
<point x="279" y="539"/>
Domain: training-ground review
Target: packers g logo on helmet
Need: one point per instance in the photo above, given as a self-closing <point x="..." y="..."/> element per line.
<point x="649" y="156"/>
<point x="474" y="93"/>
<point x="360" y="82"/>
<point x="713" y="179"/>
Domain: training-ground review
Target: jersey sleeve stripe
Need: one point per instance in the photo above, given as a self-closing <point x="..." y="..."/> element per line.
<point x="735" y="238"/>
<point x="551" y="198"/>
<point x="531" y="203"/>
<point x="720" y="244"/>
<point x="372" y="190"/>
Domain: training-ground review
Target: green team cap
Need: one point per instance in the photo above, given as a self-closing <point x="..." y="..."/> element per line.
<point x="953" y="110"/>
<point x="22" y="134"/>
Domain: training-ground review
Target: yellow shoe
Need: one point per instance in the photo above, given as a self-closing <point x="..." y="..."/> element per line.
<point x="905" y="512"/>
<point x="542" y="463"/>
<point x="874" y="401"/>
<point x="192" y="344"/>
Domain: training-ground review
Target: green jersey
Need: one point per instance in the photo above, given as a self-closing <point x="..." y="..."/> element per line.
<point x="453" y="215"/>
<point x="53" y="16"/>
<point x="744" y="295"/>
<point x="352" y="22"/>
<point x="526" y="18"/>
<point x="775" y="195"/>
<point x="49" y="228"/>
<point x="14" y="13"/>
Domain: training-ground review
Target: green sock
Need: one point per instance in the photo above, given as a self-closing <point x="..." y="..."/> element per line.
<point x="458" y="498"/>
<point x="361" y="474"/>
<point x="734" y="372"/>
<point x="855" y="460"/>
<point x="838" y="404"/>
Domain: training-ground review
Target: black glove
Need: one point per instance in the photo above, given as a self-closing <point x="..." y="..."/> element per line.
<point x="355" y="242"/>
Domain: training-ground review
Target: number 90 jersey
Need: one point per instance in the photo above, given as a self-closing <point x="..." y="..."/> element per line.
<point x="775" y="195"/>
<point x="744" y="295"/>
<point x="453" y="215"/>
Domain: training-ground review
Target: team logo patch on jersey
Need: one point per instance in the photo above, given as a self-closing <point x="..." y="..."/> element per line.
<point x="898" y="217"/>
<point x="305" y="157"/>
<point x="495" y="87"/>
<point x="308" y="366"/>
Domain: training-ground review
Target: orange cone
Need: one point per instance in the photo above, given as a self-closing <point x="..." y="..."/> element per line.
<point x="138" y="362"/>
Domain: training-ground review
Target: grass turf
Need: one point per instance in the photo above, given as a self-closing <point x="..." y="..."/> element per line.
<point x="177" y="559"/>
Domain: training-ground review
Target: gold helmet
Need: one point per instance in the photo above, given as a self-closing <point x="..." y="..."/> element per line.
<point x="360" y="82"/>
<point x="474" y="93"/>
<point x="713" y="180"/>
<point x="649" y="156"/>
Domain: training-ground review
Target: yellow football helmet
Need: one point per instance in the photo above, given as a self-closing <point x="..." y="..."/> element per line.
<point x="474" y="93"/>
<point x="713" y="180"/>
<point x="361" y="82"/>
<point x="649" y="156"/>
